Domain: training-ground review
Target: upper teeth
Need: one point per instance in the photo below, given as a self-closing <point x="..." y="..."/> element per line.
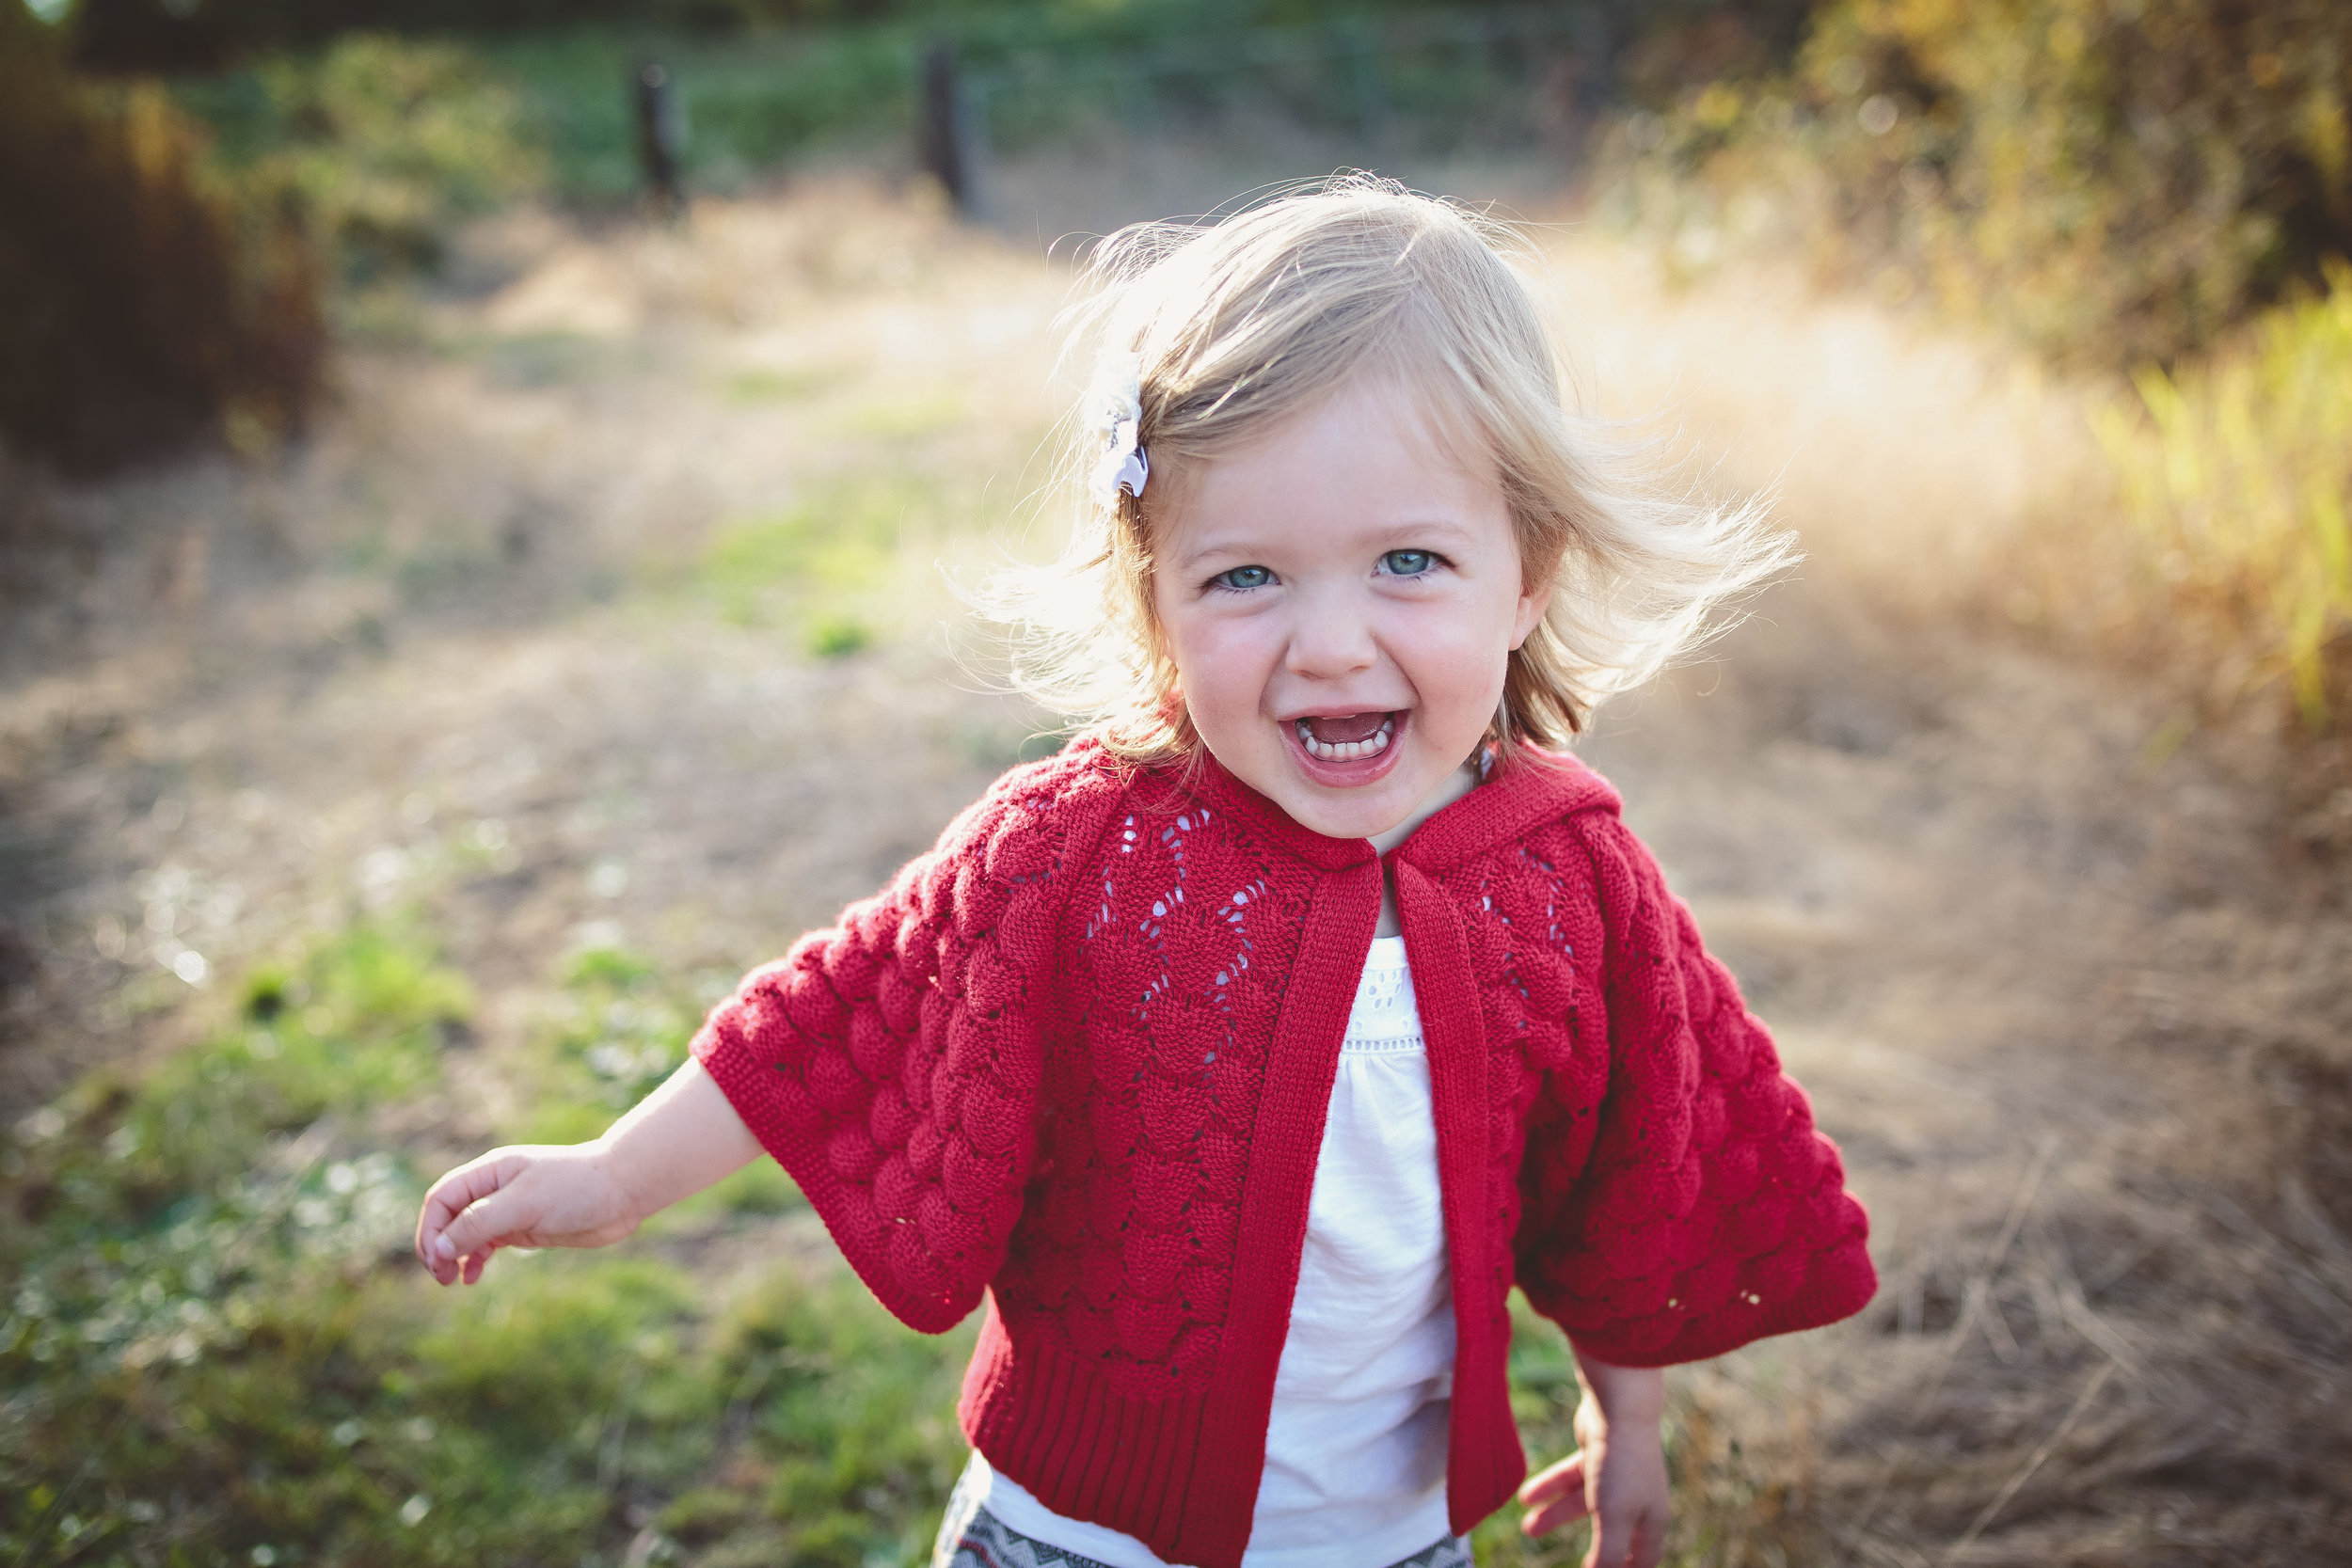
<point x="1347" y="751"/>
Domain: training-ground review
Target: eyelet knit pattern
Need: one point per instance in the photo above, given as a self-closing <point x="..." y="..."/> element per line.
<point x="1076" y="1058"/>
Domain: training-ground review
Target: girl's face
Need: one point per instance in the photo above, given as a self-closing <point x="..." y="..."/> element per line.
<point x="1340" y="599"/>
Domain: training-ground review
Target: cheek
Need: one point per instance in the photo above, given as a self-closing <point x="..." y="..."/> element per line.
<point x="1460" y="651"/>
<point x="1222" y="662"/>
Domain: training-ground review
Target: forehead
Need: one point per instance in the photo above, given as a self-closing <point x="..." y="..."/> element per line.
<point x="1372" y="459"/>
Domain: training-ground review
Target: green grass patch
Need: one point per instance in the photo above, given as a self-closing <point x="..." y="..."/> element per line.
<point x="823" y="569"/>
<point x="611" y="1034"/>
<point x="752" y="100"/>
<point x="215" y="1348"/>
<point x="753" y="388"/>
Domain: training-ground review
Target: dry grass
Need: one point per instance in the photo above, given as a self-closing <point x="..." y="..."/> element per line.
<point x="551" y="584"/>
<point x="2082" y="1034"/>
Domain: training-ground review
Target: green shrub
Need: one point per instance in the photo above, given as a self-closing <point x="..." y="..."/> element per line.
<point x="2124" y="180"/>
<point x="379" y="145"/>
<point x="2238" y="474"/>
<point x="2116" y="180"/>
<point x="148" y="305"/>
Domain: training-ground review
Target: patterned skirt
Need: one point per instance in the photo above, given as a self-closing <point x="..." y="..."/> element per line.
<point x="972" y="1537"/>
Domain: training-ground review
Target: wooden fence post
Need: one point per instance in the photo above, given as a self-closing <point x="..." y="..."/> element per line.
<point x="661" y="136"/>
<point x="944" y="139"/>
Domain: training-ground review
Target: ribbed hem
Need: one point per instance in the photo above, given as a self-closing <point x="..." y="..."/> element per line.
<point x="1017" y="1509"/>
<point x="1053" y="1422"/>
<point x="1181" y="1473"/>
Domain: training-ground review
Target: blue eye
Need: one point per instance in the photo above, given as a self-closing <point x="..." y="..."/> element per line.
<point x="1242" y="579"/>
<point x="1408" y="564"/>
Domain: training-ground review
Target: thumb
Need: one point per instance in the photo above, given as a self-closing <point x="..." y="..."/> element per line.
<point x="450" y="1225"/>
<point x="500" y="1217"/>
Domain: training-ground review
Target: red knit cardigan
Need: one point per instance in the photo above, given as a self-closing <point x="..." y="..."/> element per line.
<point x="1076" y="1060"/>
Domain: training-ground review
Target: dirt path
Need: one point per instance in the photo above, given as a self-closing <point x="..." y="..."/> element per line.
<point x="528" y="631"/>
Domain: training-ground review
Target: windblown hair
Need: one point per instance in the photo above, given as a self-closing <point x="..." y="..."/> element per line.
<point x="1237" y="326"/>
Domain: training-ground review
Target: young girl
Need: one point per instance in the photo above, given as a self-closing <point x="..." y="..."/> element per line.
<point x="1241" y="1059"/>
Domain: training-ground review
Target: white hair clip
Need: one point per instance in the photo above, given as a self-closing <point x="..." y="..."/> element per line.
<point x="1115" y="403"/>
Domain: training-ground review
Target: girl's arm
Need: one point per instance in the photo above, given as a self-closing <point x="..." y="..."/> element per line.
<point x="1619" y="1473"/>
<point x="674" y="1143"/>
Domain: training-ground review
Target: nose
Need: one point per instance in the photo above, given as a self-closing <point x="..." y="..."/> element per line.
<point x="1330" y="635"/>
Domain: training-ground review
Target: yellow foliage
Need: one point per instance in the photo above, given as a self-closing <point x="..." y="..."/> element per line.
<point x="2119" y="180"/>
<point x="2237" y="476"/>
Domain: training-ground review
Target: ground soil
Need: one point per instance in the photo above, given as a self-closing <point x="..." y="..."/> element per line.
<point x="2060" y="987"/>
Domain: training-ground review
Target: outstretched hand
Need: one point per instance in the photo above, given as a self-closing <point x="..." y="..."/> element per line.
<point x="677" y="1140"/>
<point x="1617" y="1477"/>
<point x="526" y="1195"/>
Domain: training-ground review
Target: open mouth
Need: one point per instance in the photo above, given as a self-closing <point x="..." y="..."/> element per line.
<point x="1348" y="751"/>
<point x="1345" y="736"/>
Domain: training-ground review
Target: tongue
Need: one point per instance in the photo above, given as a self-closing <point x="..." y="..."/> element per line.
<point x="1339" y="728"/>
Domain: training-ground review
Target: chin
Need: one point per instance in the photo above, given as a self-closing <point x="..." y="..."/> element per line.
<point x="1357" y="816"/>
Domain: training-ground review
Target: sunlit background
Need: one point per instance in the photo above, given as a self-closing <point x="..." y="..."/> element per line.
<point x="484" y="492"/>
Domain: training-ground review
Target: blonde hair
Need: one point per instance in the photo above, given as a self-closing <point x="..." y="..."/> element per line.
<point x="1235" y="327"/>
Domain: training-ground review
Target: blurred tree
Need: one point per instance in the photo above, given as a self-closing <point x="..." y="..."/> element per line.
<point x="140" y="306"/>
<point x="2121" y="180"/>
<point x="196" y="35"/>
<point x="379" y="145"/>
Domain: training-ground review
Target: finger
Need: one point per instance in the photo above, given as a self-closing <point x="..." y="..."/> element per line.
<point x="450" y="1196"/>
<point x="1557" y="1481"/>
<point x="498" y="1220"/>
<point x="1566" y="1508"/>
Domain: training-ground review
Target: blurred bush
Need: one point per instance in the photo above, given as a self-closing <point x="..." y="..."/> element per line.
<point x="174" y="35"/>
<point x="377" y="145"/>
<point x="2238" y="475"/>
<point x="2151" y="189"/>
<point x="2121" y="180"/>
<point x="149" y="304"/>
<point x="2116" y="180"/>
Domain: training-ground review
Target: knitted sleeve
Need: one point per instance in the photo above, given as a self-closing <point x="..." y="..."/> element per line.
<point x="1707" y="1212"/>
<point x="892" y="1064"/>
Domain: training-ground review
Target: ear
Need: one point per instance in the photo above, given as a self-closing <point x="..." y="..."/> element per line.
<point x="1531" y="609"/>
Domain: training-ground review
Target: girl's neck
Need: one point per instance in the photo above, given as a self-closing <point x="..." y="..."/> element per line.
<point x="1450" y="789"/>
